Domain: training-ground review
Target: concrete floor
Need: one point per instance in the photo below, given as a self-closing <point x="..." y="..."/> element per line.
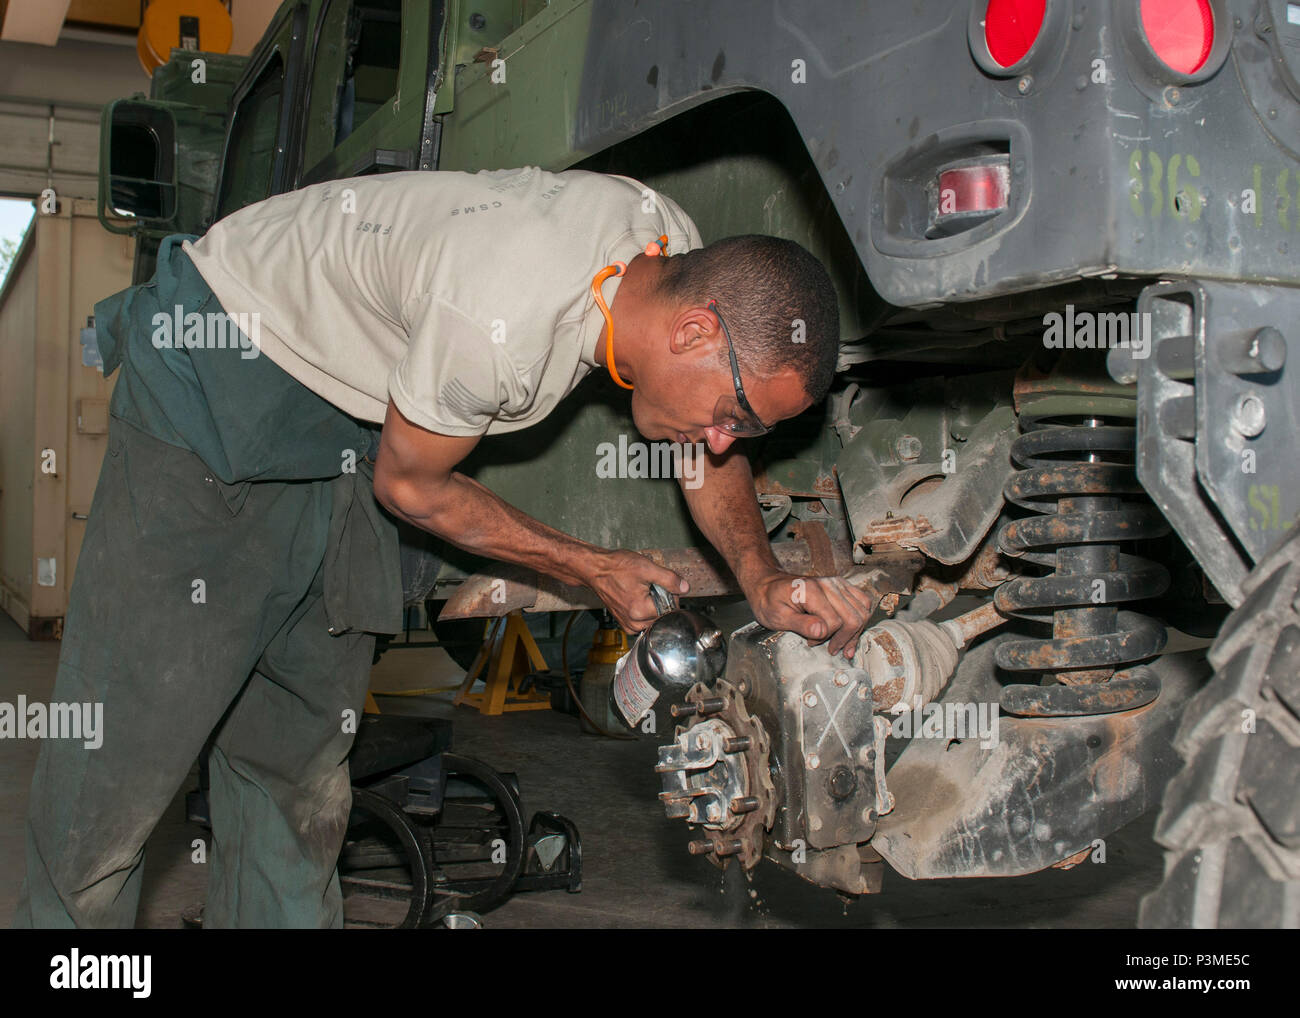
<point x="636" y="869"/>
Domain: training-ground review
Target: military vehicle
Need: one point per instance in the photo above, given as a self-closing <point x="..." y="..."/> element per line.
<point x="1056" y="450"/>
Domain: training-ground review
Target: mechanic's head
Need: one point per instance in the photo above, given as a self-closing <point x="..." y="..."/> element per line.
<point x="776" y="302"/>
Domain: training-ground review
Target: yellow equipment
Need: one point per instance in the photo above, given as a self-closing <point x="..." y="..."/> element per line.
<point x="509" y="653"/>
<point x="182" y="24"/>
<point x="609" y="644"/>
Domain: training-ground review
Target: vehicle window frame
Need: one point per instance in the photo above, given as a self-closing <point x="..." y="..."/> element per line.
<point x="370" y="147"/>
<point x="292" y="24"/>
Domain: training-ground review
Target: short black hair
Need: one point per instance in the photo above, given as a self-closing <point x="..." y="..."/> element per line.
<point x="777" y="300"/>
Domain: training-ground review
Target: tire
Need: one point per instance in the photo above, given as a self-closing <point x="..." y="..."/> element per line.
<point x="1230" y="820"/>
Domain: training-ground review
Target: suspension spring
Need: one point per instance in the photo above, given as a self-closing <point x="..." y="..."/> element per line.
<point x="1075" y="474"/>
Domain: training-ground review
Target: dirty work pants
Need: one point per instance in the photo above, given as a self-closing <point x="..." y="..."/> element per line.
<point x="216" y="618"/>
<point x="233" y="569"/>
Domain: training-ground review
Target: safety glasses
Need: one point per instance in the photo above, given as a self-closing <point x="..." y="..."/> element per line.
<point x="733" y="414"/>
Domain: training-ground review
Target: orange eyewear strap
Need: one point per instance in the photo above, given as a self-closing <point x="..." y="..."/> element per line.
<point x="617" y="269"/>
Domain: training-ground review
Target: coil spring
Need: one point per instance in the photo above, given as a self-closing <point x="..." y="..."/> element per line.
<point x="1074" y="475"/>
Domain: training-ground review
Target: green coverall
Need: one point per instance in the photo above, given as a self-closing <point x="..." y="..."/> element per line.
<point x="234" y="570"/>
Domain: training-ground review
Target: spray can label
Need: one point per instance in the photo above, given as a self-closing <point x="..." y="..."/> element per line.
<point x="633" y="695"/>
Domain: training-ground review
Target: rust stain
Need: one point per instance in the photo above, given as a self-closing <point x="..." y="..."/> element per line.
<point x="1116" y="776"/>
<point x="902" y="530"/>
<point x="890" y="648"/>
<point x="987" y="570"/>
<point x="1072" y="861"/>
<point x="825" y="486"/>
<point x="887" y="694"/>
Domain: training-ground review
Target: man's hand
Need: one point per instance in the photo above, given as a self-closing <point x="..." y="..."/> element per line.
<point x="622" y="580"/>
<point x="816" y="607"/>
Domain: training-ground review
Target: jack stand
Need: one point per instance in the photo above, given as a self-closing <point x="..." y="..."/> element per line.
<point x="510" y="653"/>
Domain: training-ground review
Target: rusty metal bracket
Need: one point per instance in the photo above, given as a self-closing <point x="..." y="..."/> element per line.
<point x="943" y="510"/>
<point x="819" y="546"/>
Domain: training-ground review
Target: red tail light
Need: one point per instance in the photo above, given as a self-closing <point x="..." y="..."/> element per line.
<point x="1010" y="28"/>
<point x="979" y="188"/>
<point x="1181" y="32"/>
<point x="967" y="193"/>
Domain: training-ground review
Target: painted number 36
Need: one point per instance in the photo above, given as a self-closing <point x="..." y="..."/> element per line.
<point x="1149" y="175"/>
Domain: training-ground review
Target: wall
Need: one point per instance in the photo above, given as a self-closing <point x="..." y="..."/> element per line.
<point x="17" y="431"/>
<point x="250" y="19"/>
<point x="50" y="400"/>
<point x="72" y="79"/>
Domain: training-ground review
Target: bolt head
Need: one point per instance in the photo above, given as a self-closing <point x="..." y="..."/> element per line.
<point x="841" y="678"/>
<point x="810" y="699"/>
<point x="813" y="761"/>
<point x="1248" y="415"/>
<point x="908" y="447"/>
<point x="842" y="783"/>
<point x="1025" y="84"/>
<point x="815" y="824"/>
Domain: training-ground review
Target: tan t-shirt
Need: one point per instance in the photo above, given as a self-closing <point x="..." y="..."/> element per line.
<point x="463" y="297"/>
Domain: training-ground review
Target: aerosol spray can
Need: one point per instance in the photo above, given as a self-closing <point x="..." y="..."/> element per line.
<point x="679" y="649"/>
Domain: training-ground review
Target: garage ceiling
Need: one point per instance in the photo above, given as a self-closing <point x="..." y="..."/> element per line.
<point x="40" y="22"/>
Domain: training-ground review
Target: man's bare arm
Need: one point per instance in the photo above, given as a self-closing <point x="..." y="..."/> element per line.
<point x="416" y="482"/>
<point x="725" y="508"/>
